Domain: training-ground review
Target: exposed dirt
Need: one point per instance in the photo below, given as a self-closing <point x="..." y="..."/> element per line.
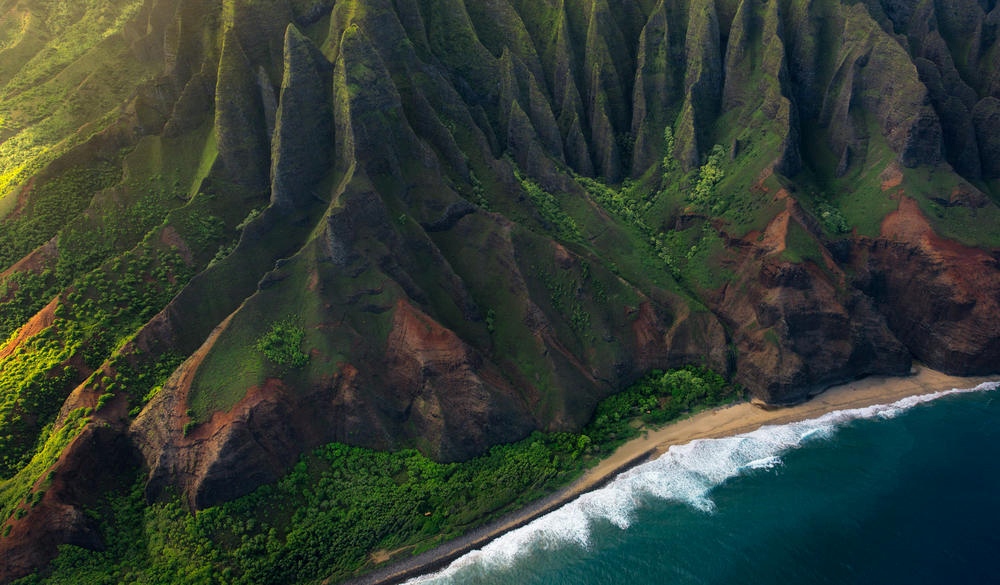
<point x="170" y="237"/>
<point x="37" y="261"/>
<point x="775" y="234"/>
<point x="417" y="335"/>
<point x="646" y="328"/>
<point x="564" y="259"/>
<point x="34" y="326"/>
<point x="892" y="176"/>
<point x="22" y="200"/>
<point x="908" y="224"/>
<point x="434" y="380"/>
<point x="940" y="297"/>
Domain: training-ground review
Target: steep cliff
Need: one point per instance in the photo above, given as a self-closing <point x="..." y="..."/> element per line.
<point x="235" y="231"/>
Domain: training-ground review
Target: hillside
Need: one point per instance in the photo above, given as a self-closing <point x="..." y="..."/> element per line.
<point x="232" y="232"/>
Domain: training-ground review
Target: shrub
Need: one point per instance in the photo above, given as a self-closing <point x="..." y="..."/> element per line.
<point x="281" y="344"/>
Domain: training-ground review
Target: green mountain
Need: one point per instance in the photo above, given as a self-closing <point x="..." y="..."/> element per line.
<point x="231" y="232"/>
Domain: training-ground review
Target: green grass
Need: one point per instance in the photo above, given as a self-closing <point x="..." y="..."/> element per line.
<point x="705" y="268"/>
<point x="969" y="226"/>
<point x="510" y="342"/>
<point x="229" y="370"/>
<point x="866" y="205"/>
<point x="695" y="256"/>
<point x="858" y="195"/>
<point x="209" y="153"/>
<point x="800" y="246"/>
<point x="62" y="93"/>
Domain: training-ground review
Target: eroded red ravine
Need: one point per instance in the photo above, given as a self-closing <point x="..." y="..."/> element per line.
<point x="964" y="264"/>
<point x="42" y="320"/>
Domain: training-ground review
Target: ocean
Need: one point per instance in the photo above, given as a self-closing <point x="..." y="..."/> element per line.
<point x="901" y="493"/>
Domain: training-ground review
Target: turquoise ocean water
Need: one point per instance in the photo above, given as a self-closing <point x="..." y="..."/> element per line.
<point x="904" y="493"/>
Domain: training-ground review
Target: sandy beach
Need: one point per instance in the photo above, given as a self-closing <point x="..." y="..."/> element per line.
<point x="719" y="422"/>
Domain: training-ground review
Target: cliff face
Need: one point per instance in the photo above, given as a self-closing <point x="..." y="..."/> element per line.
<point x="239" y="230"/>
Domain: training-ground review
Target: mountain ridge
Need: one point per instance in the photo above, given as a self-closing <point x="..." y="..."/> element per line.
<point x="482" y="218"/>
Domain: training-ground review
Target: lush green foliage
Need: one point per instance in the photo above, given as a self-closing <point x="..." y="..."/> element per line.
<point x="655" y="399"/>
<point x="628" y="203"/>
<point x="703" y="194"/>
<point x="688" y="254"/>
<point x="548" y="208"/>
<point x="833" y="220"/>
<point x="143" y="381"/>
<point x="103" y="310"/>
<point x="32" y="389"/>
<point x="16" y="492"/>
<point x="340" y="504"/>
<point x="51" y="206"/>
<point x="669" y="163"/>
<point x="61" y="89"/>
<point x="281" y="344"/>
<point x="22" y="294"/>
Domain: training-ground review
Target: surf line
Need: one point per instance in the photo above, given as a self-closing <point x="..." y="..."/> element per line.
<point x="742" y="422"/>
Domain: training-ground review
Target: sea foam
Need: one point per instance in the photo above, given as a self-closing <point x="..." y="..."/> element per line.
<point x="685" y="473"/>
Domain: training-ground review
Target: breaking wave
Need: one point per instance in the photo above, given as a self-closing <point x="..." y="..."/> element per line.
<point x="686" y="474"/>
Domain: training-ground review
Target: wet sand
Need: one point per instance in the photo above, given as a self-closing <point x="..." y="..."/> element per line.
<point x="720" y="422"/>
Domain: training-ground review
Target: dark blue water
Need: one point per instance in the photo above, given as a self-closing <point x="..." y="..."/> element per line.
<point x="908" y="493"/>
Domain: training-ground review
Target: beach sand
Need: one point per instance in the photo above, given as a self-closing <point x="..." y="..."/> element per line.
<point x="720" y="422"/>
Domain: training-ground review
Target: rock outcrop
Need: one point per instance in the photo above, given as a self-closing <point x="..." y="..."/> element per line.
<point x="939" y="297"/>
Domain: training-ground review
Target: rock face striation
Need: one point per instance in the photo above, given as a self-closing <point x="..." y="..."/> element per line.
<point x="478" y="219"/>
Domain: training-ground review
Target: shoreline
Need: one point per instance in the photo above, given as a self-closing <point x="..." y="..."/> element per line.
<point x="724" y="421"/>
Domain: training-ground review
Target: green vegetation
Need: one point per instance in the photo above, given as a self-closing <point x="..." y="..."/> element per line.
<point x="52" y="204"/>
<point x="689" y="255"/>
<point x="565" y="295"/>
<point x="35" y="381"/>
<point x="703" y="194"/>
<point x="92" y="321"/>
<point x="111" y="270"/>
<point x="692" y="255"/>
<point x="22" y="294"/>
<point x="555" y="219"/>
<point x="832" y="219"/>
<point x="657" y="398"/>
<point x="972" y="226"/>
<point x="281" y="344"/>
<point x="16" y="492"/>
<point x="669" y="163"/>
<point x="63" y="82"/>
<point x="115" y="195"/>
<point x="800" y="246"/>
<point x="340" y="504"/>
<point x="629" y="202"/>
<point x="142" y="382"/>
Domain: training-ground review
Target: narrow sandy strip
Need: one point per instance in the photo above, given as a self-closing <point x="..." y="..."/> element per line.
<point x="721" y="422"/>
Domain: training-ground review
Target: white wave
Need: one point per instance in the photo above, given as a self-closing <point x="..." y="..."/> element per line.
<point x="685" y="473"/>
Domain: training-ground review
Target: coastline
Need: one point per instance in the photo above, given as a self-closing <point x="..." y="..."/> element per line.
<point x="719" y="422"/>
